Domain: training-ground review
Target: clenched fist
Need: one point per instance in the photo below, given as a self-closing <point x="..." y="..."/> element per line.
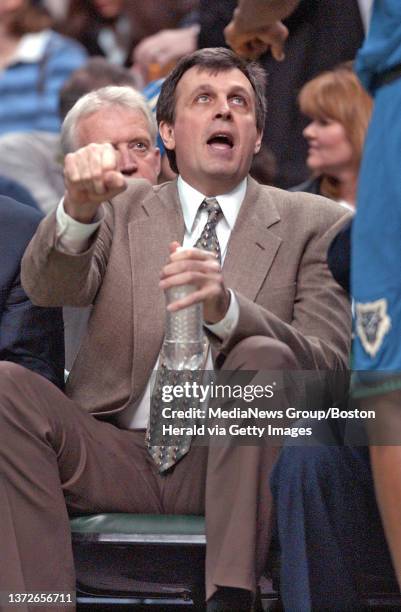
<point x="91" y="177"/>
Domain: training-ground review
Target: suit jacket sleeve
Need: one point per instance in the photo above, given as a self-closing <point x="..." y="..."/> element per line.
<point x="54" y="278"/>
<point x="45" y="269"/>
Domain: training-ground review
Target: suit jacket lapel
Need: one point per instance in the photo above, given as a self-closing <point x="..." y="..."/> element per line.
<point x="150" y="234"/>
<point x="252" y="246"/>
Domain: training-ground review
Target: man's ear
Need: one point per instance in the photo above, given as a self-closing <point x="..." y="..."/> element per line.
<point x="158" y="160"/>
<point x="167" y="135"/>
<point x="258" y="143"/>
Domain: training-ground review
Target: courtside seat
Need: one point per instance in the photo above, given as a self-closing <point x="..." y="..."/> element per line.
<point x="139" y="559"/>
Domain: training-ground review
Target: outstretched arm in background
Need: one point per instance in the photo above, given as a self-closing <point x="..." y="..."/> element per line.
<point x="256" y="27"/>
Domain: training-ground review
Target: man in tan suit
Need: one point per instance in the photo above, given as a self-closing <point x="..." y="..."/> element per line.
<point x="273" y="306"/>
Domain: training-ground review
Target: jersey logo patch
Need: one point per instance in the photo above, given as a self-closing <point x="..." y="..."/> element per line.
<point x="372" y="324"/>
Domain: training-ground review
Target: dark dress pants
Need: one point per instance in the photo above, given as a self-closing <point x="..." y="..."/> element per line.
<point x="329" y="527"/>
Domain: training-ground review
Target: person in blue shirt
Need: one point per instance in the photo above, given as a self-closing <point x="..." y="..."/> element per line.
<point x="34" y="63"/>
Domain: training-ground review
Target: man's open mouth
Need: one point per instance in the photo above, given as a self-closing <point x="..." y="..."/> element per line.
<point x="221" y="141"/>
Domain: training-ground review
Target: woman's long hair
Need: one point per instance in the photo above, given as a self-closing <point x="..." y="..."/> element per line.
<point x="338" y="95"/>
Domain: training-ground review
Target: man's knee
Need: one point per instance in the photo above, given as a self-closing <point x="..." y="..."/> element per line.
<point x="261" y="353"/>
<point x="17" y="386"/>
<point x="12" y="375"/>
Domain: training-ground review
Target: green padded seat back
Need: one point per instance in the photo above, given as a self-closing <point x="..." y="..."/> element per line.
<point x="148" y="527"/>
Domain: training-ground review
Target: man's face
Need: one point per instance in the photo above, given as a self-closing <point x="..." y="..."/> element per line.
<point x="214" y="133"/>
<point x="330" y="150"/>
<point x="127" y="130"/>
<point x="109" y="9"/>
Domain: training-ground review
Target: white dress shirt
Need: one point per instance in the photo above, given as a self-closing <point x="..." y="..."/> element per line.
<point x="31" y="48"/>
<point x="73" y="237"/>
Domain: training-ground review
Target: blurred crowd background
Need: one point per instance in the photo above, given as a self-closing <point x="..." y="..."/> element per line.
<point x="45" y="47"/>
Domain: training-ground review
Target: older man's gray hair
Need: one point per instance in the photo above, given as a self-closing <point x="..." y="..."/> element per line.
<point x="110" y="96"/>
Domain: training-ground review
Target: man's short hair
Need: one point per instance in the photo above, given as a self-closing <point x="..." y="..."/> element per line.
<point x="125" y="97"/>
<point x="213" y="60"/>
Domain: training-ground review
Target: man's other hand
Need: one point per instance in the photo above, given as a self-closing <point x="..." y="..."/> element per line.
<point x="91" y="177"/>
<point x="199" y="268"/>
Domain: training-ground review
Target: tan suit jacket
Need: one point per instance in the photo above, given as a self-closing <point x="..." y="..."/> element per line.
<point x="275" y="263"/>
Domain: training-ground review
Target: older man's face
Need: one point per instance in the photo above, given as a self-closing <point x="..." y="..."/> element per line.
<point x="127" y="130"/>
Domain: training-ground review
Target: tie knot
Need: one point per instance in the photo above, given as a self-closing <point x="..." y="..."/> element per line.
<point x="212" y="208"/>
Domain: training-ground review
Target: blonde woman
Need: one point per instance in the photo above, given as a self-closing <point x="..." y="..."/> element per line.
<point x="340" y="110"/>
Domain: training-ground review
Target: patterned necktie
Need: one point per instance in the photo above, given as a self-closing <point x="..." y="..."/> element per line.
<point x="208" y="239"/>
<point x="166" y="450"/>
